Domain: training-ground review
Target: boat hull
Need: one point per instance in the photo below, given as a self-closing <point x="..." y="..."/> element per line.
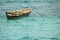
<point x="17" y="13"/>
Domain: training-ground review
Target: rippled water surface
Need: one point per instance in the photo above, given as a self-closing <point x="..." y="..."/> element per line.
<point x="42" y="24"/>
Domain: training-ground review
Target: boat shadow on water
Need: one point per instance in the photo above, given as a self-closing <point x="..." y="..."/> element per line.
<point x="16" y="18"/>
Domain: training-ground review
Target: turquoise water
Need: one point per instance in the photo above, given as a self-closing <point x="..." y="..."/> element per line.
<point x="42" y="24"/>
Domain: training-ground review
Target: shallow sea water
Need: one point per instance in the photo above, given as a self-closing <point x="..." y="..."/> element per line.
<point x="42" y="24"/>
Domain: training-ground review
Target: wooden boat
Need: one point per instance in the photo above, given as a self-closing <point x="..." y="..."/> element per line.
<point x="24" y="12"/>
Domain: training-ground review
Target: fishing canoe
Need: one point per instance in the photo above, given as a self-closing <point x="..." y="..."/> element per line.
<point x="23" y="12"/>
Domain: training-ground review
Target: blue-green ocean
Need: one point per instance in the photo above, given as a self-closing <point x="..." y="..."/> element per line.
<point x="43" y="23"/>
